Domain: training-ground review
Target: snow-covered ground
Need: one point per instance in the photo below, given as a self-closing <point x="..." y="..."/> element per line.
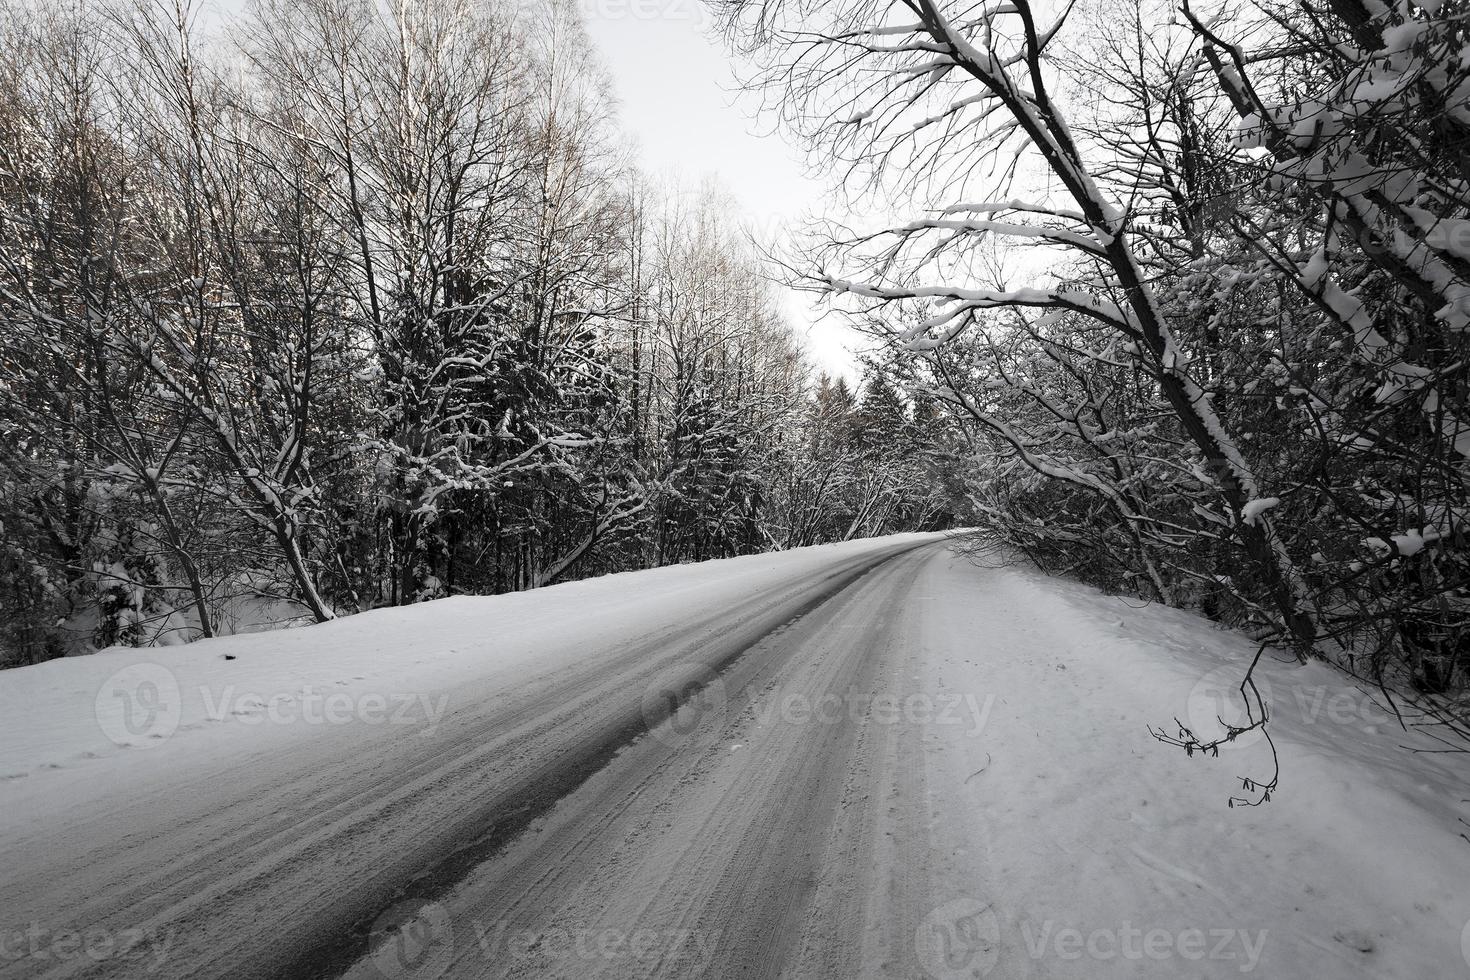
<point x="909" y="767"/>
<point x="1102" y="853"/>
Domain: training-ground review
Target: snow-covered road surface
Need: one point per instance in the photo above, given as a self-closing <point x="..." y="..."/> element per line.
<point x="888" y="762"/>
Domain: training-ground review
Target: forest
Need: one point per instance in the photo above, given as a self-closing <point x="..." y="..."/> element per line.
<point x="357" y="306"/>
<point x="1191" y="281"/>
<point x="364" y="306"/>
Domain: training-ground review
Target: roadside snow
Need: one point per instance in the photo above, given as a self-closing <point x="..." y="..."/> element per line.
<point x="1094" y="851"/>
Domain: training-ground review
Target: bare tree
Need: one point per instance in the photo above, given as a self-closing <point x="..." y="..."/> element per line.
<point x="954" y="99"/>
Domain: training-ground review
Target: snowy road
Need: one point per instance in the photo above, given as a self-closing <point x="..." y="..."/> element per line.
<point x="277" y="861"/>
<point x="887" y="762"/>
<point x="740" y="840"/>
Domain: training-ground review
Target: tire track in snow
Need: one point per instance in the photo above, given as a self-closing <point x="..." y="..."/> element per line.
<point x="729" y="639"/>
<point x="287" y="879"/>
<point x="751" y="846"/>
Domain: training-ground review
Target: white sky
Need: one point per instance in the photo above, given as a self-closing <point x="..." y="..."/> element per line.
<point x="676" y="86"/>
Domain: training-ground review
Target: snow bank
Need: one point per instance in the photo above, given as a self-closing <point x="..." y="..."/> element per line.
<point x="1095" y="851"/>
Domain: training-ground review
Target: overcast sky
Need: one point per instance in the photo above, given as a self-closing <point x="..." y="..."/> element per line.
<point x="676" y="86"/>
<point x="679" y="107"/>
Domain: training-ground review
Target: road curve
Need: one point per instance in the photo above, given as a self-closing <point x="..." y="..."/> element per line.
<point x="875" y="760"/>
<point x="739" y="840"/>
<point x="266" y="866"/>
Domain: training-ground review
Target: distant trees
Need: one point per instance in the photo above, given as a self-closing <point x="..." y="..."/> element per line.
<point x="360" y="306"/>
<point x="1235" y="374"/>
<point x="865" y="466"/>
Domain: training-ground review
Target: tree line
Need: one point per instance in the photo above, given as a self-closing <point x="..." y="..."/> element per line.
<point x="349" y="304"/>
<point x="1191" y="279"/>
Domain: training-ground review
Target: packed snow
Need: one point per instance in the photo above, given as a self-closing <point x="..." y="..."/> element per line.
<point x="1059" y="838"/>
